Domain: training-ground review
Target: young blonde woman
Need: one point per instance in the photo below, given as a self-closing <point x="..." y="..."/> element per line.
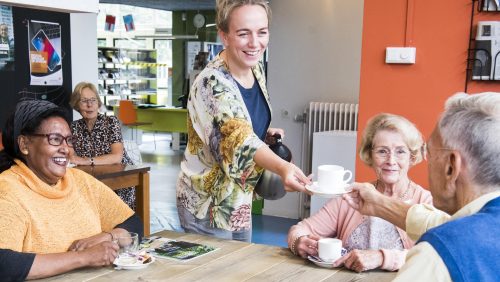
<point x="229" y="118"/>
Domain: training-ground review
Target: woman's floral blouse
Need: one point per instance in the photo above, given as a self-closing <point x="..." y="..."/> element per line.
<point x="218" y="173"/>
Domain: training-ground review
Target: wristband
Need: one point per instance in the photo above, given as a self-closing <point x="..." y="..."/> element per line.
<point x="294" y="244"/>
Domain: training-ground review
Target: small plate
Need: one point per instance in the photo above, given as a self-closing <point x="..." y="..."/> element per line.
<point x="314" y="188"/>
<point x="136" y="263"/>
<point x="317" y="261"/>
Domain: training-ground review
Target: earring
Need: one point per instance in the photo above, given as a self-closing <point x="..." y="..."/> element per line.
<point x="25" y="152"/>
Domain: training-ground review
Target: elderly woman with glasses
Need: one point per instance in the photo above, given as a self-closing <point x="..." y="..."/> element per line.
<point x="98" y="138"/>
<point x="390" y="145"/>
<point x="53" y="218"/>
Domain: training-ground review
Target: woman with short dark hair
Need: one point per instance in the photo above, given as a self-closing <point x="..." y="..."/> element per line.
<point x="66" y="218"/>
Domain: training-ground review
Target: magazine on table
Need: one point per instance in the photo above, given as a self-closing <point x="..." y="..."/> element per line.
<point x="162" y="247"/>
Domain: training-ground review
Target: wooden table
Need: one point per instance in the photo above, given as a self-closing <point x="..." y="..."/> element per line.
<point x="118" y="176"/>
<point x="233" y="261"/>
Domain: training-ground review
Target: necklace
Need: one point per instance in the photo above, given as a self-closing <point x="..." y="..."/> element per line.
<point x="405" y="193"/>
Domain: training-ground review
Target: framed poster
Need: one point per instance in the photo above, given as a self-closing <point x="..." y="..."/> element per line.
<point x="44" y="53"/>
<point x="6" y="38"/>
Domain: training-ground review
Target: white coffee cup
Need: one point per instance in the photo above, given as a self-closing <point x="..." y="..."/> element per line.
<point x="329" y="249"/>
<point x="331" y="178"/>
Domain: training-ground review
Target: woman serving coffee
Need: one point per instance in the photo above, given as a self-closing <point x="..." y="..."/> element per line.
<point x="229" y="115"/>
<point x="390" y="145"/>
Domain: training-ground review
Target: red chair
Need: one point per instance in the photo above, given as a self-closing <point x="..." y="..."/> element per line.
<point x="127" y="114"/>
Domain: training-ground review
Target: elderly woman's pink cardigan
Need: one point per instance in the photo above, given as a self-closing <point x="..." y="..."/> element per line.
<point x="337" y="219"/>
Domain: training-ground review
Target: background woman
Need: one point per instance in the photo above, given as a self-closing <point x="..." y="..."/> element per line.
<point x="64" y="216"/>
<point x="390" y="145"/>
<point x="98" y="138"/>
<point x="229" y="116"/>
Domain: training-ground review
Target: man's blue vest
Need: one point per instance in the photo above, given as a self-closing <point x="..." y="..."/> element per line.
<point x="470" y="246"/>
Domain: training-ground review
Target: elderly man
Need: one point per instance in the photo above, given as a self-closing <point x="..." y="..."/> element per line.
<point x="464" y="176"/>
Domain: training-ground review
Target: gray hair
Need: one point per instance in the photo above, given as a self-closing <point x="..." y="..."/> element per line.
<point x="471" y="125"/>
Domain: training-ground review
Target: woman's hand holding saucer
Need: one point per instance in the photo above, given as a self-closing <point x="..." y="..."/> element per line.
<point x="294" y="179"/>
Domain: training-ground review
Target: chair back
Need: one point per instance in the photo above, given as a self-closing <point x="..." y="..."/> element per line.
<point x="133" y="151"/>
<point x="127" y="113"/>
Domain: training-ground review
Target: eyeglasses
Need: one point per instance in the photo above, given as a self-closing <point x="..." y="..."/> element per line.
<point x="88" y="101"/>
<point x="383" y="153"/>
<point x="428" y="151"/>
<point x="56" y="139"/>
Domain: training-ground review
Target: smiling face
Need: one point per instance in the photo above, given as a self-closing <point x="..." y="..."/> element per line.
<point x="88" y="104"/>
<point x="247" y="38"/>
<point x="394" y="167"/>
<point x="48" y="162"/>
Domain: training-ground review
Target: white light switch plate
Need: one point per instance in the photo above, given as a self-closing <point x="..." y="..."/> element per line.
<point x="400" y="55"/>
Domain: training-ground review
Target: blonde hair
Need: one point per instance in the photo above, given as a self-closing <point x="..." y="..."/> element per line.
<point x="74" y="101"/>
<point x="224" y="9"/>
<point x="411" y="136"/>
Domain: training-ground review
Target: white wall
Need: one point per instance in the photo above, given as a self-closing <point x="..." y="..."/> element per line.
<point x="314" y="55"/>
<point x="83" y="49"/>
<point x="57" y="5"/>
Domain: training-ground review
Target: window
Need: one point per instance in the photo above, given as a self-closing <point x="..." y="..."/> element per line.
<point x="164" y="56"/>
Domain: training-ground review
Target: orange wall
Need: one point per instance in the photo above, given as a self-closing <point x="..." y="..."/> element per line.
<point x="440" y="32"/>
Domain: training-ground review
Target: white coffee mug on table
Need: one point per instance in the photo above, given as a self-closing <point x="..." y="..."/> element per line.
<point x="329" y="249"/>
<point x="331" y="178"/>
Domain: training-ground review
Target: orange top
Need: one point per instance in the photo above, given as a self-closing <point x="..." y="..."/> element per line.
<point x="40" y="218"/>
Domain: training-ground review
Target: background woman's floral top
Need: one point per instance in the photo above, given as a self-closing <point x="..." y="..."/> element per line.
<point x="218" y="173"/>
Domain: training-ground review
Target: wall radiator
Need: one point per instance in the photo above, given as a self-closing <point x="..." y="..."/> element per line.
<point x="323" y="116"/>
<point x="338" y="119"/>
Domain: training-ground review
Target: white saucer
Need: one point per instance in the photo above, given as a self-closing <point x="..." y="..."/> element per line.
<point x="317" y="261"/>
<point x="316" y="191"/>
<point x="328" y="264"/>
<point x="136" y="264"/>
